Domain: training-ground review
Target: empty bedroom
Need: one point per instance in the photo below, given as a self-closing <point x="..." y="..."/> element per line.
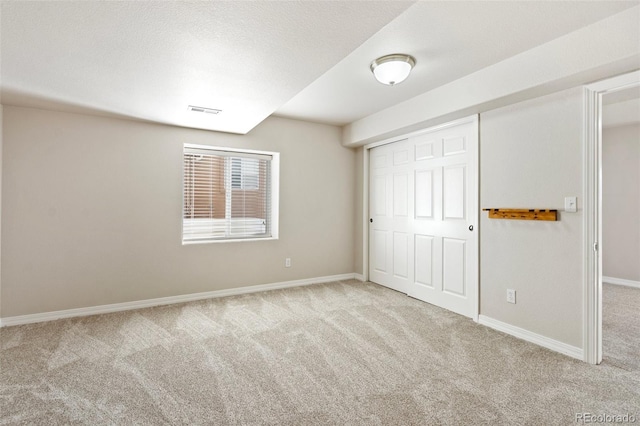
<point x="318" y="212"/>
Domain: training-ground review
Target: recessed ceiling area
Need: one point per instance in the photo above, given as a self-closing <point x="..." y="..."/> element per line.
<point x="449" y="40"/>
<point x="304" y="60"/>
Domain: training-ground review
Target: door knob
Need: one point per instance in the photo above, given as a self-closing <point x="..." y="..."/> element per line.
<point x="371" y="220"/>
<point x="470" y="227"/>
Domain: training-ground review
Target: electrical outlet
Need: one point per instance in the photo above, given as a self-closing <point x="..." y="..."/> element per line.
<point x="511" y="295"/>
<point x="287" y="262"/>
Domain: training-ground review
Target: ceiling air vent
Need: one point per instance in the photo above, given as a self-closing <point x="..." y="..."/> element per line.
<point x="205" y="110"/>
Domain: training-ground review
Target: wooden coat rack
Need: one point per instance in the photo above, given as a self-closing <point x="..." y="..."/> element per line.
<point x="523" y="214"/>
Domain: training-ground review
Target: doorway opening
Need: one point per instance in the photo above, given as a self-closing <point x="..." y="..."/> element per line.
<point x="593" y="312"/>
<point x="621" y="228"/>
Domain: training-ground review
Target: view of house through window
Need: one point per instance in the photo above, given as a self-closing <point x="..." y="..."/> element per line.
<point x="227" y="194"/>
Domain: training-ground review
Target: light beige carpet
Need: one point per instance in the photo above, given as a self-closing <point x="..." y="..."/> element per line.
<point x="621" y="327"/>
<point x="344" y="353"/>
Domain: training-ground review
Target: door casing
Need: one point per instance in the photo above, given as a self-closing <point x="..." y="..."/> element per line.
<point x="592" y="133"/>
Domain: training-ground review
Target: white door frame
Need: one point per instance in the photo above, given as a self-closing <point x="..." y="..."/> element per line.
<point x="365" y="194"/>
<point x="593" y="209"/>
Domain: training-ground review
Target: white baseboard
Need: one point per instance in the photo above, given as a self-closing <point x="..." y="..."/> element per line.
<point x="359" y="277"/>
<point x="621" y="281"/>
<point x="529" y="336"/>
<point x="147" y="303"/>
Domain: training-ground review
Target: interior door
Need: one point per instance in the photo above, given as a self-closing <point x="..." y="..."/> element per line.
<point x="424" y="212"/>
<point x="390" y="215"/>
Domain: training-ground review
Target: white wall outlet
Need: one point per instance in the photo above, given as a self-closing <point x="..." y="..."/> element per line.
<point x="511" y="295"/>
<point x="570" y="204"/>
<point x="287" y="262"/>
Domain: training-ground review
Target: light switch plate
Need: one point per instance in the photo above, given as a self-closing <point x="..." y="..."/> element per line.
<point x="571" y="204"/>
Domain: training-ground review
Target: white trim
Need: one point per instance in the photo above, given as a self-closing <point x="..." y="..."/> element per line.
<point x="592" y="230"/>
<point x="615" y="84"/>
<point x="621" y="281"/>
<point x="475" y="119"/>
<point x="365" y="214"/>
<point x="227" y="240"/>
<point x="529" y="336"/>
<point x="147" y="303"/>
<point x="228" y="150"/>
<point x="592" y="327"/>
<point x="359" y="277"/>
<point x="469" y="119"/>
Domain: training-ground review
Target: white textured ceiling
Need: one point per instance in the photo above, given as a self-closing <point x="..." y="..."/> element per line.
<point x="151" y="59"/>
<point x="449" y="40"/>
<point x="303" y="59"/>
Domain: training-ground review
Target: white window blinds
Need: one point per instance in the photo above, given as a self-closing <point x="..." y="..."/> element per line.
<point x="227" y="195"/>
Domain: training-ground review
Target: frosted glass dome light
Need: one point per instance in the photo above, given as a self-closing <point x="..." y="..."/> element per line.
<point x="392" y="69"/>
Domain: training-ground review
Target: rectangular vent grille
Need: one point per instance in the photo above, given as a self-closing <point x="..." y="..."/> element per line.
<point x="205" y="110"/>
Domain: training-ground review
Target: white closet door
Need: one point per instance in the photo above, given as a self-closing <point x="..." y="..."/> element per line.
<point x="390" y="215"/>
<point x="424" y="212"/>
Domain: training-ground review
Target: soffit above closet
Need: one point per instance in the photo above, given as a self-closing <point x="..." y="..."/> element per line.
<point x="306" y="60"/>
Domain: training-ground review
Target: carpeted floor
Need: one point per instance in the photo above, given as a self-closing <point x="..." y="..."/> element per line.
<point x="621" y="327"/>
<point x="344" y="353"/>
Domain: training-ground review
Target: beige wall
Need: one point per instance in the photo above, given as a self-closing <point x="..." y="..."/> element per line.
<point x="621" y="202"/>
<point x="91" y="211"/>
<point x="531" y="157"/>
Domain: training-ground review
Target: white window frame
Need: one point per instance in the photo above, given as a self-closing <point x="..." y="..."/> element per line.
<point x="274" y="192"/>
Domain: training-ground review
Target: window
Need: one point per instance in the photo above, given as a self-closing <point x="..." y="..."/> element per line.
<point x="229" y="194"/>
<point x="245" y="173"/>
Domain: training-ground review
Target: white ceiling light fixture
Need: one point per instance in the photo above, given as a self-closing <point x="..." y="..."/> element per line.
<point x="392" y="69"/>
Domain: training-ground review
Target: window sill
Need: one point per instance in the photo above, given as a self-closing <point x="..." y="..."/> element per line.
<point x="228" y="240"/>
